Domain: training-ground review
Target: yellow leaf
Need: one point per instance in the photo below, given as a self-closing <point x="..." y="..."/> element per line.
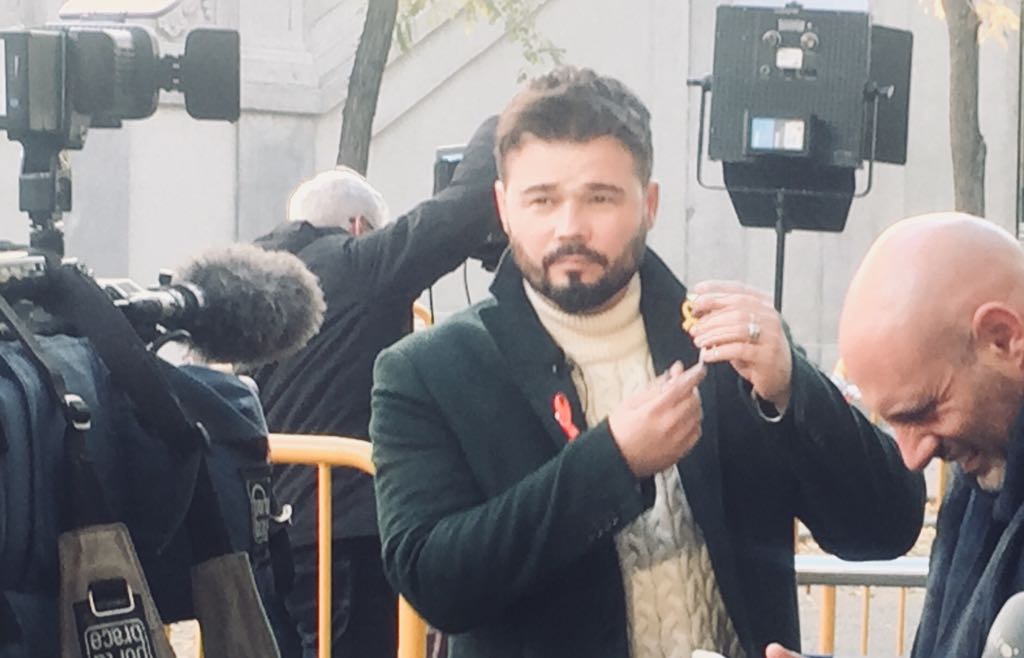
<point x="997" y="20"/>
<point x="986" y="32"/>
<point x="935" y="8"/>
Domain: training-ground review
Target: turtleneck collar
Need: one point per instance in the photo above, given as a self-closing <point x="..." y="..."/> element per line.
<point x="593" y="337"/>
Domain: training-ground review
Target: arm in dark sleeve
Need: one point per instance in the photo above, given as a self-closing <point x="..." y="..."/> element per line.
<point x="411" y="253"/>
<point x="853" y="490"/>
<point x="461" y="558"/>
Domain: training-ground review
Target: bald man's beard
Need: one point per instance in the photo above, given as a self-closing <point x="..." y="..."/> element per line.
<point x="995" y="419"/>
<point x="578" y="297"/>
<point x="1000" y="402"/>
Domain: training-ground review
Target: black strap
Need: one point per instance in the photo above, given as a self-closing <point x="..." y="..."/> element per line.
<point x="85" y="503"/>
<point x="74" y="414"/>
<point x="10" y="629"/>
<point x="207" y="530"/>
<point x="137" y="372"/>
<point x="77" y="297"/>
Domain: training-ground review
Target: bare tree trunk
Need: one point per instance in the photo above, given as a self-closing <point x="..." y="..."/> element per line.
<point x="965" y="133"/>
<point x="364" y="84"/>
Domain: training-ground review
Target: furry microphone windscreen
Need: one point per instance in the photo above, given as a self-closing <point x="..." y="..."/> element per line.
<point x="259" y="306"/>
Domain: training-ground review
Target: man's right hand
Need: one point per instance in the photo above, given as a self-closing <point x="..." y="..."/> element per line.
<point x="659" y="425"/>
<point x="478" y="167"/>
<point x="778" y="651"/>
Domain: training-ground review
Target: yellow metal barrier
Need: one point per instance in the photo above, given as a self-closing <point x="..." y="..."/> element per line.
<point x="827" y="641"/>
<point x="827" y="620"/>
<point x="831" y="572"/>
<point x="422" y="313"/>
<point x="328" y="451"/>
<point x="325" y="452"/>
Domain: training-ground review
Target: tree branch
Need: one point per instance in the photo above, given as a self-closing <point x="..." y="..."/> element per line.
<point x="967" y="142"/>
<point x="364" y="84"/>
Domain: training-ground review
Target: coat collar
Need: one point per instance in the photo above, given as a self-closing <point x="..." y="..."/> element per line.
<point x="538" y="366"/>
<point x="959" y="609"/>
<point x="535" y="362"/>
<point x="295" y="236"/>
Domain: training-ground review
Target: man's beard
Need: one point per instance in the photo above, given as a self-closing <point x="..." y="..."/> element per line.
<point x="578" y="297"/>
<point x="993" y="424"/>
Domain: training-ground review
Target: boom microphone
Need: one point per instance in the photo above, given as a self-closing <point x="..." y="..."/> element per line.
<point x="240" y="304"/>
<point x="1006" y="637"/>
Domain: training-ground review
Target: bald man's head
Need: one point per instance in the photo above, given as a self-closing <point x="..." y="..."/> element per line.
<point x="925" y="276"/>
<point x="932" y="332"/>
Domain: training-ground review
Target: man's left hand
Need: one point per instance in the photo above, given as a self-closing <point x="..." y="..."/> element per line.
<point x="738" y="324"/>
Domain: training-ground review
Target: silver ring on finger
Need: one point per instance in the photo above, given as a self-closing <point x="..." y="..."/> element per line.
<point x="753" y="332"/>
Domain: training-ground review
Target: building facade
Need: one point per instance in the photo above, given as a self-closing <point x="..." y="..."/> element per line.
<point x="150" y="195"/>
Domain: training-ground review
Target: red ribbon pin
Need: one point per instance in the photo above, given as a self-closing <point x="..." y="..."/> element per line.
<point x="563" y="414"/>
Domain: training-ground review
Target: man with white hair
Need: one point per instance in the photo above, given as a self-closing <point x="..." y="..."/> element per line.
<point x="340" y="197"/>
<point x="371" y="271"/>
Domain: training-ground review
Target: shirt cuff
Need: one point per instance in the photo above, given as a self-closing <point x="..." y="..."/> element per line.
<point x="765" y="409"/>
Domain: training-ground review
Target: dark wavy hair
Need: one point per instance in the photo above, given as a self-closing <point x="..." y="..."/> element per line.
<point x="577" y="105"/>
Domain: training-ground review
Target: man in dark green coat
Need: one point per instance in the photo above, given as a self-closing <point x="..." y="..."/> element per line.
<point x="563" y="471"/>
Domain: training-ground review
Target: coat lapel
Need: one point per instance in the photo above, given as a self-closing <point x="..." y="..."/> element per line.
<point x="535" y="362"/>
<point x="700" y="471"/>
<point x="964" y="624"/>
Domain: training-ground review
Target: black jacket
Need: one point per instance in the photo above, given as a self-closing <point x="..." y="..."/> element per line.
<point x="369" y="283"/>
<point x="499" y="531"/>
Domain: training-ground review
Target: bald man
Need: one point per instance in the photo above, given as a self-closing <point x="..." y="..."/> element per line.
<point x="932" y="332"/>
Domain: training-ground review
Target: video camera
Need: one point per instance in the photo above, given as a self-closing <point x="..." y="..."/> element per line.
<point x="62" y="79"/>
<point x="144" y="485"/>
<point x="446" y="159"/>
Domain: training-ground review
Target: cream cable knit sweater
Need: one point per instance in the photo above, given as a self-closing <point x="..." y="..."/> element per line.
<point x="672" y="598"/>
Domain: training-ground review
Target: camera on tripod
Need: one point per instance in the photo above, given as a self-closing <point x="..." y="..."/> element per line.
<point x="60" y="80"/>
